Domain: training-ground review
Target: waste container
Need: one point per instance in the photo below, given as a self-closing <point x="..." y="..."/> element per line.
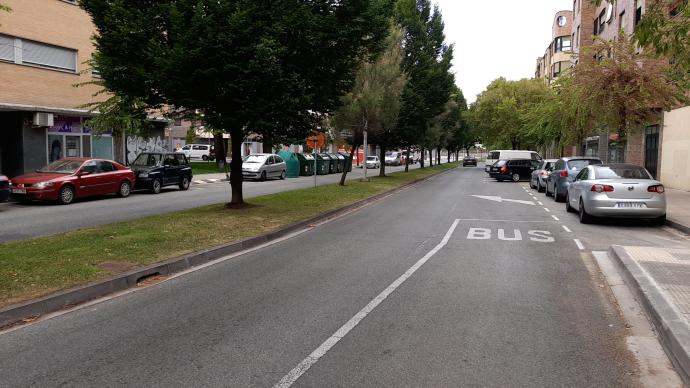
<point x="323" y="164"/>
<point x="330" y="163"/>
<point x="338" y="168"/>
<point x="306" y="164"/>
<point x="291" y="163"/>
<point x="347" y="161"/>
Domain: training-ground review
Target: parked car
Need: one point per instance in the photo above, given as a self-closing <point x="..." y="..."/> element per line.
<point x="4" y="188"/>
<point x="616" y="190"/>
<point x="469" y="160"/>
<point x="67" y="179"/>
<point x="564" y="171"/>
<point x="373" y="162"/>
<point x="514" y="169"/>
<point x="495" y="156"/>
<point x="199" y="151"/>
<point x="155" y="170"/>
<point x="392" y="158"/>
<point x="263" y="166"/>
<point x="539" y="175"/>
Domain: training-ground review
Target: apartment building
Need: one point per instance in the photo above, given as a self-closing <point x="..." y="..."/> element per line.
<point x="558" y="55"/>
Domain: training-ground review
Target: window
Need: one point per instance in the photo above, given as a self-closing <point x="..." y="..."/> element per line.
<point x="559" y="67"/>
<point x="621" y="21"/>
<point x="602" y="21"/>
<point x="279" y="159"/>
<point x="104" y="166"/>
<point x="577" y="36"/>
<point x="562" y="21"/>
<point x="638" y="15"/>
<point x="596" y="26"/>
<point x="181" y="160"/>
<point x="49" y="56"/>
<point x="562" y="43"/>
<point x="6" y="48"/>
<point x="582" y="176"/>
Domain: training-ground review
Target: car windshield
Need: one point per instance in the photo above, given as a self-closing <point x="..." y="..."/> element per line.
<point x="579" y="164"/>
<point x="62" y="166"/>
<point x="254" y="159"/>
<point x="372" y="158"/>
<point x="147" y="160"/>
<point x="391" y="154"/>
<point x="623" y="172"/>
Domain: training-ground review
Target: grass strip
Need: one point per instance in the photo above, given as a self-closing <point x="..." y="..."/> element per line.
<point x="36" y="267"/>
<point x="199" y="168"/>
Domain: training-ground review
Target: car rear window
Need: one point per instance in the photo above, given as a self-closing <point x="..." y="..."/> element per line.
<point x="548" y="166"/>
<point x="626" y="172"/>
<point x="500" y="163"/>
<point x="494" y="155"/>
<point x="579" y="164"/>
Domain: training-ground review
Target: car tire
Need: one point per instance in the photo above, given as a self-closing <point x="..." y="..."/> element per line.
<point x="515" y="177"/>
<point x="66" y="195"/>
<point x="568" y="208"/>
<point x="556" y="195"/>
<point x="125" y="189"/>
<point x="546" y="190"/>
<point x="282" y="175"/>
<point x="262" y="178"/>
<point x="585" y="218"/>
<point x="156" y="186"/>
<point x="204" y="158"/>
<point x="184" y="185"/>
<point x="540" y="188"/>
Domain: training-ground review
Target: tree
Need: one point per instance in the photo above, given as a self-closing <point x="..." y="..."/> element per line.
<point x="5" y="8"/>
<point x="241" y="62"/>
<point x="374" y="101"/>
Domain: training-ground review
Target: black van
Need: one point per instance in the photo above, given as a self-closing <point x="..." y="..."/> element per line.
<point x="514" y="169"/>
<point x="155" y="170"/>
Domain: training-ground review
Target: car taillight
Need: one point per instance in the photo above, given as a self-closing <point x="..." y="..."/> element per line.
<point x="656" y="189"/>
<point x="543" y="173"/>
<point x="602" y="188"/>
<point x="3" y="178"/>
<point x="504" y="169"/>
<point x="564" y="174"/>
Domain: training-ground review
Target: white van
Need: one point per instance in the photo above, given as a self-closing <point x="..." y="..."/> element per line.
<point x="497" y="155"/>
<point x="198" y="151"/>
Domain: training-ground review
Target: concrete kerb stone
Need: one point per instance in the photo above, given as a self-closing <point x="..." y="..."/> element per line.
<point x="673" y="330"/>
<point x="32" y="309"/>
<point x="678" y="225"/>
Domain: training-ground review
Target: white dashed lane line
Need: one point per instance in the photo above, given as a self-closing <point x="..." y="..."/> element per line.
<point x="547" y="209"/>
<point x="555" y="218"/>
<point x="567" y="229"/>
<point x="579" y="244"/>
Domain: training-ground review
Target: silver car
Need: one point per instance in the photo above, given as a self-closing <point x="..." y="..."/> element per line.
<point x="263" y="166"/>
<point x="616" y="190"/>
<point x="373" y="162"/>
<point x="539" y="175"/>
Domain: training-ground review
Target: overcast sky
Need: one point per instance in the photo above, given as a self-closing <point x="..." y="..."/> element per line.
<point x="497" y="38"/>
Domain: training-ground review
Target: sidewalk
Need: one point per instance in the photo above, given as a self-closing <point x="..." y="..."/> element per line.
<point x="209" y="178"/>
<point x="678" y="209"/>
<point x="660" y="280"/>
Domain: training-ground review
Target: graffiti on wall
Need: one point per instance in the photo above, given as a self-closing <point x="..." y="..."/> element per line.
<point x="138" y="144"/>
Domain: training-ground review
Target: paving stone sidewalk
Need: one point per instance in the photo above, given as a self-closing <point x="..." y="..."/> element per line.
<point x="678" y="209"/>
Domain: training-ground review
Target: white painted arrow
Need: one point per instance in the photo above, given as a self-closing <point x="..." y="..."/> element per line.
<point x="499" y="199"/>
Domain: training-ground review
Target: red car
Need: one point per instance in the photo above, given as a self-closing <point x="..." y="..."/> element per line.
<point x="70" y="178"/>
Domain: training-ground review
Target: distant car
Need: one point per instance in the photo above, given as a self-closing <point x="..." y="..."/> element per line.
<point x="263" y="166"/>
<point x="373" y="162"/>
<point x="496" y="155"/>
<point x="67" y="179"/>
<point x="469" y="161"/>
<point x="413" y="158"/>
<point x="155" y="170"/>
<point x="4" y="188"/>
<point x="204" y="152"/>
<point x="539" y="175"/>
<point x="564" y="171"/>
<point x="514" y="169"/>
<point x="392" y="158"/>
<point x="616" y="190"/>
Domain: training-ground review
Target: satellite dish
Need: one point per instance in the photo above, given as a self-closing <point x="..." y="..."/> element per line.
<point x="609" y="12"/>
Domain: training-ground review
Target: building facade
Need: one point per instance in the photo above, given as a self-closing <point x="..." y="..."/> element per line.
<point x="558" y="55"/>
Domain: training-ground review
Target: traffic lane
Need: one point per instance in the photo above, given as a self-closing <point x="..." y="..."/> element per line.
<point x="599" y="236"/>
<point x="241" y="322"/>
<point x="488" y="312"/>
<point x="22" y="221"/>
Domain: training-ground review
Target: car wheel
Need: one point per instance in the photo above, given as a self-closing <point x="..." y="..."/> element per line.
<point x="515" y="177"/>
<point x="184" y="185"/>
<point x="546" y="189"/>
<point x="262" y="178"/>
<point x="568" y="208"/>
<point x="585" y="218"/>
<point x="556" y="195"/>
<point x="125" y="189"/>
<point x="156" y="186"/>
<point x="282" y="175"/>
<point x="66" y="195"/>
<point x="540" y="188"/>
<point x="204" y="158"/>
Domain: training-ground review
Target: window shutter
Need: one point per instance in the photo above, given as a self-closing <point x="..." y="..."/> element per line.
<point x="50" y="56"/>
<point x="6" y="48"/>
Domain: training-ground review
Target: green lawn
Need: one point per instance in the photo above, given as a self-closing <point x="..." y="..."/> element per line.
<point x="33" y="268"/>
<point x="205" y="168"/>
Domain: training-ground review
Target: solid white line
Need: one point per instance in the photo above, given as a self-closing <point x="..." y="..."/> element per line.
<point x="555" y="218"/>
<point x="547" y="209"/>
<point x="540" y="203"/>
<point x="485" y="220"/>
<point x="314" y="357"/>
<point x="567" y="229"/>
<point x="579" y="244"/>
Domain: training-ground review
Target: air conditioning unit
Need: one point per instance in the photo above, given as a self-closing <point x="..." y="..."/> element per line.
<point x="42" y="119"/>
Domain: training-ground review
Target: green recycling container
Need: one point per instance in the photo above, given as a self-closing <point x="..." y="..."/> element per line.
<point x="338" y="163"/>
<point x="331" y="169"/>
<point x="323" y="164"/>
<point x="291" y="163"/>
<point x="346" y="156"/>
<point x="306" y="164"/>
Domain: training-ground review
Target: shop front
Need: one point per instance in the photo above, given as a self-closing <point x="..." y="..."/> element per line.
<point x="70" y="138"/>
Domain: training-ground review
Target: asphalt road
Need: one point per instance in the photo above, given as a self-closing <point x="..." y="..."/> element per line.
<point x="430" y="287"/>
<point x="22" y="221"/>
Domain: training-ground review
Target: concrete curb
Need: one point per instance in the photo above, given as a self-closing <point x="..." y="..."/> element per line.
<point x="673" y="331"/>
<point x="14" y="314"/>
<point x="678" y="225"/>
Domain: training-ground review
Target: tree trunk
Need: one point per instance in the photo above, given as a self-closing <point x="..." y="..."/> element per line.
<point x="449" y="153"/>
<point x="438" y="155"/>
<point x="382" y="159"/>
<point x="422" y="152"/>
<point x="236" y="167"/>
<point x="267" y="144"/>
<point x="348" y="166"/>
<point x="407" y="160"/>
<point x="219" y="144"/>
<point x="431" y="158"/>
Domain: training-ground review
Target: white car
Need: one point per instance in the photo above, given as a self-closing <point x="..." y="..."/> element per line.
<point x="198" y="151"/>
<point x="373" y="162"/>
<point x="393" y="158"/>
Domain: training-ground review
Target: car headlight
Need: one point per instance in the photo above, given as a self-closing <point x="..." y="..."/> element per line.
<point x="43" y="185"/>
<point x="143" y="175"/>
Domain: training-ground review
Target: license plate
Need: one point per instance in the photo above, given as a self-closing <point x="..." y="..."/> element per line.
<point x="631" y="205"/>
<point x="18" y="191"/>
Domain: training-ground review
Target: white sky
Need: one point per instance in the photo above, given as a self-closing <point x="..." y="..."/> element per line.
<point x="495" y="38"/>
